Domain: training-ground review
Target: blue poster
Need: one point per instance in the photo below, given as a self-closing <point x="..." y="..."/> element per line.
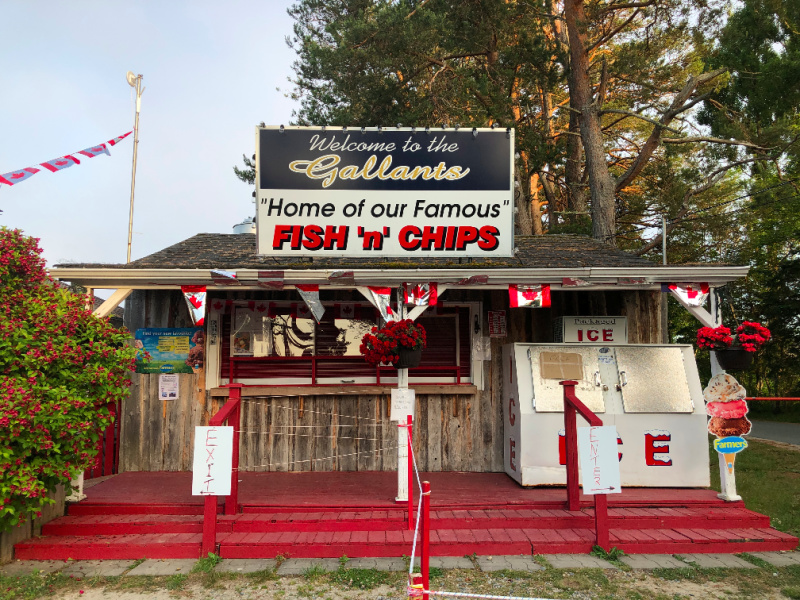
<point x="170" y="350"/>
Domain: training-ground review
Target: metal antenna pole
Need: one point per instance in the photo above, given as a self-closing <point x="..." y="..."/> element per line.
<point x="139" y="90"/>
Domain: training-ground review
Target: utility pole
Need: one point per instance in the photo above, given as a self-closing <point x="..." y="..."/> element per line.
<point x="135" y="81"/>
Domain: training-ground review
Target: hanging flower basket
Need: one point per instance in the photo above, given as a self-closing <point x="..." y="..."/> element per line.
<point x="389" y="344"/>
<point x="408" y="358"/>
<point x="734" y="358"/>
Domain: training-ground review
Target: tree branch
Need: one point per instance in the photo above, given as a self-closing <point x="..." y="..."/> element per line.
<point x="638" y="116"/>
<point x="690" y="140"/>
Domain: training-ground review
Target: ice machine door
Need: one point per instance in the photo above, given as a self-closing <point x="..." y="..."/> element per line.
<point x="548" y="394"/>
<point x="653" y="380"/>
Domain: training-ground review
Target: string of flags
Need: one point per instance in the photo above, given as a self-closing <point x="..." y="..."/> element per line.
<point x="60" y="163"/>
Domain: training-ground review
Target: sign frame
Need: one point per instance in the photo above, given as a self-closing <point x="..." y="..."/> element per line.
<point x="438" y="192"/>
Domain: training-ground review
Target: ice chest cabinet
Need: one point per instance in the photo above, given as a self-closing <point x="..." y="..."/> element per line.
<point x="652" y="393"/>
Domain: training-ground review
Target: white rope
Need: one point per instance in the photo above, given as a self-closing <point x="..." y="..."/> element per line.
<point x="302" y="435"/>
<point x="296" y="462"/>
<point x="317" y="412"/>
<point x="487" y="596"/>
<point x="419" y="503"/>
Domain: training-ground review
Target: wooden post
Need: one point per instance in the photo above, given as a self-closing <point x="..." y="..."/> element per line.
<point x="601" y="521"/>
<point x="571" y="448"/>
<point x="426" y="538"/>
<point x="410" y="475"/>
<point x="209" y="526"/>
<point x="232" y="501"/>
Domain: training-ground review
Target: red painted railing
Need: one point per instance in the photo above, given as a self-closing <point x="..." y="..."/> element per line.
<point x="107" y="447"/>
<point x="229" y="413"/>
<point x="573" y="406"/>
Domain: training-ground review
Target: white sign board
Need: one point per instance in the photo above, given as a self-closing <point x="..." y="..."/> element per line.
<point x="595" y="330"/>
<point x="168" y="386"/>
<point x="213" y="461"/>
<point x="402" y="404"/>
<point x="372" y="192"/>
<point x="599" y="460"/>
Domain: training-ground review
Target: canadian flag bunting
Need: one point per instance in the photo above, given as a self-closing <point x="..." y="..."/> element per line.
<point x="195" y="296"/>
<point x="17" y="176"/>
<point x="381" y="299"/>
<point x="344" y="310"/>
<point x="272" y="280"/>
<point x="310" y="295"/>
<point x="63" y="162"/>
<point x="421" y="294"/>
<point x="693" y="294"/>
<point x="535" y="296"/>
<point x="342" y="278"/>
<point x="573" y="282"/>
<point x="95" y="151"/>
<point x="224" y="277"/>
<point x="58" y="164"/>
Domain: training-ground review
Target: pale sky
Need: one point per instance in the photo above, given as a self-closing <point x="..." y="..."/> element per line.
<point x="211" y="72"/>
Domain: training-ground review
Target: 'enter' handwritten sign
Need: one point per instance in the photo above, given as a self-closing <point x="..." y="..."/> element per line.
<point x="599" y="461"/>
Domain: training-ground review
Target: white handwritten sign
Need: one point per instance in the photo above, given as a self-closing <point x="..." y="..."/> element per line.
<point x="402" y="404"/>
<point x="213" y="461"/>
<point x="599" y="461"/>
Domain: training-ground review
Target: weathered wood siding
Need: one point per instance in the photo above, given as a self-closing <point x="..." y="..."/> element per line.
<point x="353" y="433"/>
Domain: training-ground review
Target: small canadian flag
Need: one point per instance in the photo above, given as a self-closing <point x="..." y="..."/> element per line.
<point x="535" y="296"/>
<point x="195" y="296"/>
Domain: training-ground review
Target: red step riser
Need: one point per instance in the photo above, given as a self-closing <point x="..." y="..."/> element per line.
<point x="55" y="528"/>
<point x="699" y="548"/>
<point x="111" y="552"/>
<point x="136" y="509"/>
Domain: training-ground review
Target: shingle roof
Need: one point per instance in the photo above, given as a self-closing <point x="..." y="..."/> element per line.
<point x="238" y="251"/>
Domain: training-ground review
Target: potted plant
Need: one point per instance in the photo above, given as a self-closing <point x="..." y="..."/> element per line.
<point x="399" y="343"/>
<point x="734" y="352"/>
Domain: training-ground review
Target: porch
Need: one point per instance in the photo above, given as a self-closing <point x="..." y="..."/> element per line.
<point x="330" y="514"/>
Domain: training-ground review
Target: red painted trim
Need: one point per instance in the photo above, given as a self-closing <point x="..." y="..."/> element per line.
<point x="410" y="475"/>
<point x="426" y="538"/>
<point x="209" y="543"/>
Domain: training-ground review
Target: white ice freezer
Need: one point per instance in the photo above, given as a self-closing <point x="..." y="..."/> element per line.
<point x="652" y="393"/>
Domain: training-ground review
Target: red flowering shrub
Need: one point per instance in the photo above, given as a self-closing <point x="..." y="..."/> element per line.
<point x="381" y="345"/>
<point x="60" y="367"/>
<point x="751" y="336"/>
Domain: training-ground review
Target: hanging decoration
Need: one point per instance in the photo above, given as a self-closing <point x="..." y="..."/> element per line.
<point x="573" y="282"/>
<point x="535" y="296"/>
<point x="381" y="299"/>
<point x="272" y="280"/>
<point x="195" y="296"/>
<point x="60" y="163"/>
<point x="221" y="277"/>
<point x="421" y="294"/>
<point x="310" y="295"/>
<point x="693" y="294"/>
<point x="342" y="278"/>
<point x="473" y="280"/>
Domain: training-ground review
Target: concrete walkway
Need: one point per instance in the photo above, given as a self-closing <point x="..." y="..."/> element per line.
<point x="488" y="564"/>
<point x="788" y="433"/>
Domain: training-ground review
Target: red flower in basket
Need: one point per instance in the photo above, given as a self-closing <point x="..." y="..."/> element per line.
<point x="749" y="336"/>
<point x="382" y="345"/>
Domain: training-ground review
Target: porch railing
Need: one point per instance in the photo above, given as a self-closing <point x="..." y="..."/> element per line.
<point x="573" y="407"/>
<point x="229" y="414"/>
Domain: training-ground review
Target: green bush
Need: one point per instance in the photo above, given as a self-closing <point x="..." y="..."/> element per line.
<point x="60" y="369"/>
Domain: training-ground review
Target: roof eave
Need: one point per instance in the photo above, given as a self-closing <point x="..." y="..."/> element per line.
<point x="653" y="276"/>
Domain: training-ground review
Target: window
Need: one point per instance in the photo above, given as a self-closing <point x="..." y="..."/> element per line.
<point x="279" y="343"/>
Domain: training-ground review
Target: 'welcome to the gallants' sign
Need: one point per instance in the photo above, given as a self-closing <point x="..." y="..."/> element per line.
<point x="391" y="192"/>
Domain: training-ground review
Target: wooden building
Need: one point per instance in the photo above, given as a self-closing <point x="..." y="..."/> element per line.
<point x="313" y="403"/>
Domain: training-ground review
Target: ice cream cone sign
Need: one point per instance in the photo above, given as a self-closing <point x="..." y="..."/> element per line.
<point x="726" y="405"/>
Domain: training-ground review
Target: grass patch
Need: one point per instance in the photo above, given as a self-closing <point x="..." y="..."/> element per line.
<point x="315" y="571"/>
<point x="176" y="582"/>
<point x="361" y="579"/>
<point x="207" y="564"/>
<point x="768" y="478"/>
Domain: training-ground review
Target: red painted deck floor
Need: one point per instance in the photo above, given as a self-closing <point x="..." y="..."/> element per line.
<point x="153" y="515"/>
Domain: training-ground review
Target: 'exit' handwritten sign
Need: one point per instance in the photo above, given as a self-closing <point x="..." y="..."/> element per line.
<point x="599" y="461"/>
<point x="213" y="461"/>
